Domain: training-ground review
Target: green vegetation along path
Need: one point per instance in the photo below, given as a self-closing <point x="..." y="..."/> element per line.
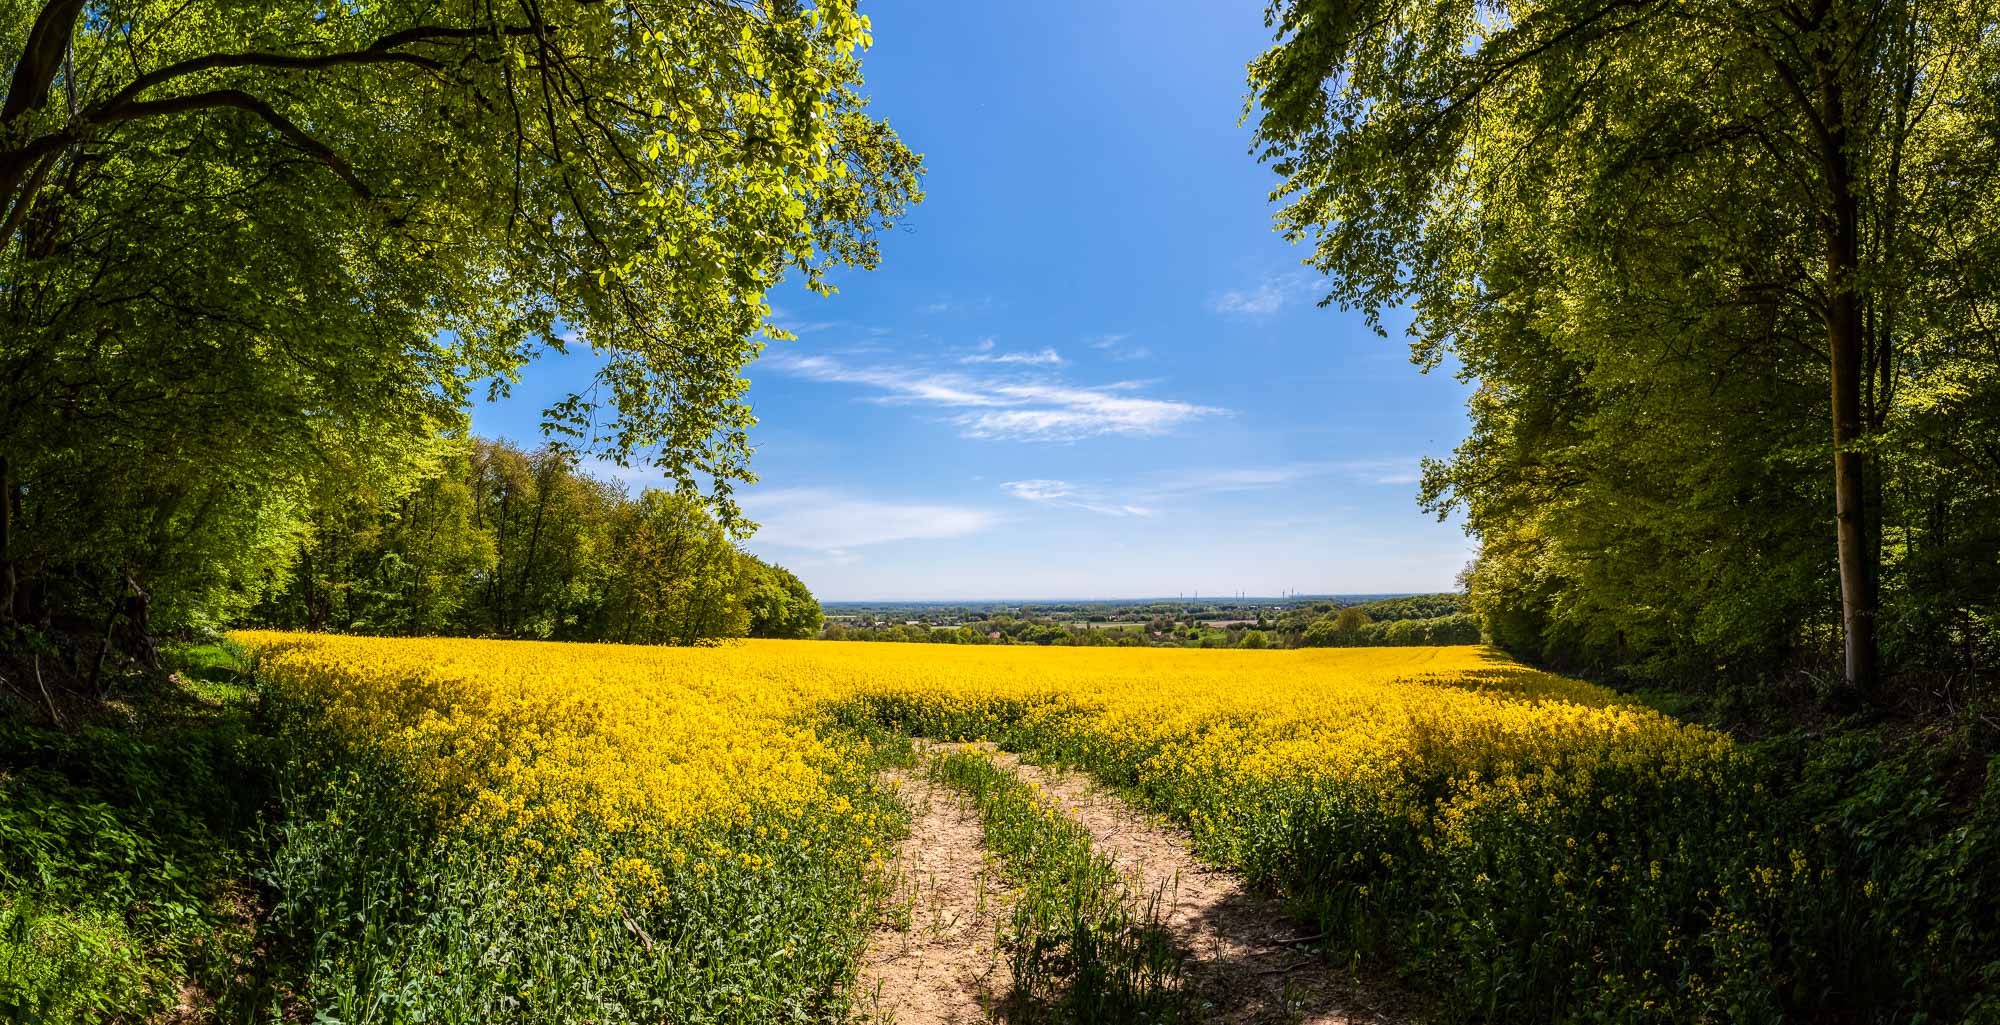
<point x="1249" y="962"/>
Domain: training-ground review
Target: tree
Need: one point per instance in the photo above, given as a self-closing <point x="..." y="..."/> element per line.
<point x="1654" y="230"/>
<point x="678" y="579"/>
<point x="244" y="248"/>
<point x="780" y="603"/>
<point x="426" y="549"/>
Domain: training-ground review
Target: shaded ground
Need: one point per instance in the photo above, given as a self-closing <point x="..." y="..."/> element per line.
<point x="129" y="827"/>
<point x="934" y="958"/>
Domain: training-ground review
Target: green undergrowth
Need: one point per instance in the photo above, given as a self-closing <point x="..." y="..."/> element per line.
<point x="1081" y="948"/>
<point x="127" y="833"/>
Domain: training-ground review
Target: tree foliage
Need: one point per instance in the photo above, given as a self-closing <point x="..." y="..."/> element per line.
<point x="498" y="542"/>
<point x="1726" y="274"/>
<point x="248" y="252"/>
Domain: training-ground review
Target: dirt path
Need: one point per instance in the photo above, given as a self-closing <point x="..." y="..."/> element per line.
<point x="933" y="960"/>
<point x="1250" y="964"/>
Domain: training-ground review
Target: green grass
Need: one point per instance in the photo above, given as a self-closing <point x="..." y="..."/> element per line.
<point x="1082" y="949"/>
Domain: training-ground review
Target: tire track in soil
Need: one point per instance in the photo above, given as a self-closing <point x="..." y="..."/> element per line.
<point x="1249" y="963"/>
<point x="940" y="965"/>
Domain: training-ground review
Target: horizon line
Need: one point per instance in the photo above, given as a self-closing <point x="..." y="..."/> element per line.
<point x="1139" y="598"/>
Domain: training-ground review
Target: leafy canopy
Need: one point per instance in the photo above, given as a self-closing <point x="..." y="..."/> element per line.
<point x="249" y="245"/>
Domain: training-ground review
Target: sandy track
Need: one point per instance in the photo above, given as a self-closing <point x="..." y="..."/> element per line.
<point x="933" y="960"/>
<point x="1249" y="964"/>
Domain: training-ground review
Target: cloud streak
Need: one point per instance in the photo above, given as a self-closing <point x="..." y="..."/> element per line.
<point x="1250" y="478"/>
<point x="1144" y="498"/>
<point x="1266" y="298"/>
<point x="1010" y="408"/>
<point x="832" y="523"/>
<point x="1063" y="494"/>
<point x="1046" y="357"/>
<point x="1113" y="347"/>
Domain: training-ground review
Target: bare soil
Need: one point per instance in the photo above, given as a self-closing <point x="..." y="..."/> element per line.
<point x="1249" y="963"/>
<point x="934" y="958"/>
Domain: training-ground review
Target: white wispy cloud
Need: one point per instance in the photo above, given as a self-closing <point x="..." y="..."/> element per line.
<point x="1115" y="347"/>
<point x="1385" y="471"/>
<point x="1211" y="480"/>
<point x="833" y="523"/>
<point x="1241" y="478"/>
<point x="1266" y="298"/>
<point x="1014" y="408"/>
<point x="1038" y="490"/>
<point x="809" y="327"/>
<point x="1066" y="495"/>
<point x="1262" y="301"/>
<point x="1145" y="496"/>
<point x="1046" y="357"/>
<point x="955" y="304"/>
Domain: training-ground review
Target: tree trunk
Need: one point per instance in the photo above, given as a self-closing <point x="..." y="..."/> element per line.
<point x="8" y="579"/>
<point x="496" y="597"/>
<point x="103" y="648"/>
<point x="520" y="601"/>
<point x="138" y="619"/>
<point x="1845" y="342"/>
<point x="313" y="620"/>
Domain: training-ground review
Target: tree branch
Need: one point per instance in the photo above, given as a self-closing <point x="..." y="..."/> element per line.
<point x="27" y="197"/>
<point x="48" y="40"/>
<point x="288" y="62"/>
<point x="382" y="51"/>
<point x="239" y="100"/>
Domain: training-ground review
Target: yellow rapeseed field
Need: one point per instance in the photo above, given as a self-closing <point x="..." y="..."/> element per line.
<point x="625" y="787"/>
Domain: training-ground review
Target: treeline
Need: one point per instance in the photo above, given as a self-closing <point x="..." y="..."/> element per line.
<point x="1414" y="606"/>
<point x="1725" y="277"/>
<point x="501" y="542"/>
<point x="1352" y="628"/>
<point x="1411" y="620"/>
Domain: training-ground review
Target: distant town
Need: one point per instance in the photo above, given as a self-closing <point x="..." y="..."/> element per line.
<point x="1303" y="620"/>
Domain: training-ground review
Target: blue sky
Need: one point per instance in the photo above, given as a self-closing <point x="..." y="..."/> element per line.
<point x="1087" y="366"/>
